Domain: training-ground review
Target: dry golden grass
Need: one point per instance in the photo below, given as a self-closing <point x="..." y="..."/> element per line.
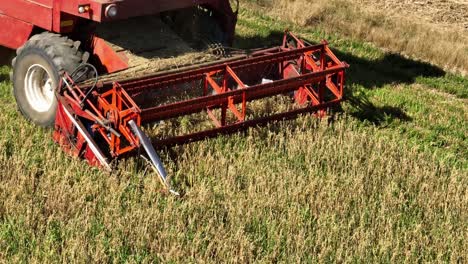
<point x="445" y="13"/>
<point x="259" y="197"/>
<point x="403" y="33"/>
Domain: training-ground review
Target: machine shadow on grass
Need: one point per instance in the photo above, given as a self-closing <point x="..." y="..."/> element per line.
<point x="6" y="55"/>
<point x="392" y="69"/>
<point x="4" y="77"/>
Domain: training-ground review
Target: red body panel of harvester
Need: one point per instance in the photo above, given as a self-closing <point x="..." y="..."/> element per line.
<point x="19" y="19"/>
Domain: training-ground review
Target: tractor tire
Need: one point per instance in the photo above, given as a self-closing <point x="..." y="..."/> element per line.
<point x="36" y="73"/>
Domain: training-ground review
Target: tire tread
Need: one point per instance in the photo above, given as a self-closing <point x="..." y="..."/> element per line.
<point x="62" y="51"/>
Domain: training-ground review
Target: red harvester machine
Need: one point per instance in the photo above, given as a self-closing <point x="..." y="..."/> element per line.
<point x="101" y="121"/>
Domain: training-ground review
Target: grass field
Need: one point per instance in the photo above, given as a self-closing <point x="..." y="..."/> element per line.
<point x="433" y="31"/>
<point x="384" y="179"/>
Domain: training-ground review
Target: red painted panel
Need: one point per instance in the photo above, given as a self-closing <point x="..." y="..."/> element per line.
<point x="13" y="33"/>
<point x="47" y="3"/>
<point x="36" y="13"/>
<point x="128" y="8"/>
<point x="71" y="7"/>
<point x="109" y="59"/>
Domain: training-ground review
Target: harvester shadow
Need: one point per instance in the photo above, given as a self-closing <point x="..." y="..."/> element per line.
<point x="364" y="110"/>
<point x="274" y="38"/>
<point x="391" y="69"/>
<point x="4" y="77"/>
<point x="6" y="55"/>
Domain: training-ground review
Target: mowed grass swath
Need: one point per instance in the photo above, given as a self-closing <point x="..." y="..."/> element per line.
<point x="382" y="179"/>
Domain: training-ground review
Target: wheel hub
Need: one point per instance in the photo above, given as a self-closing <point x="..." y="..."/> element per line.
<point x="39" y="88"/>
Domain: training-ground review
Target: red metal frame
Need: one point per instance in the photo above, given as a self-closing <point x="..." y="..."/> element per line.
<point x="118" y="108"/>
<point x="62" y="16"/>
<point x="313" y="73"/>
<point x="107" y="115"/>
<point x="109" y="59"/>
<point x="14" y="33"/>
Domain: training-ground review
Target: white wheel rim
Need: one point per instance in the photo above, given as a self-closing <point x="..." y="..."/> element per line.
<point x="39" y="88"/>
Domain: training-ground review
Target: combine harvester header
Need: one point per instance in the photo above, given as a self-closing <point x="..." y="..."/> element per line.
<point x="102" y="122"/>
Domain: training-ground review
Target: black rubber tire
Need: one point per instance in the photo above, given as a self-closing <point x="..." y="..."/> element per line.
<point x="54" y="53"/>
